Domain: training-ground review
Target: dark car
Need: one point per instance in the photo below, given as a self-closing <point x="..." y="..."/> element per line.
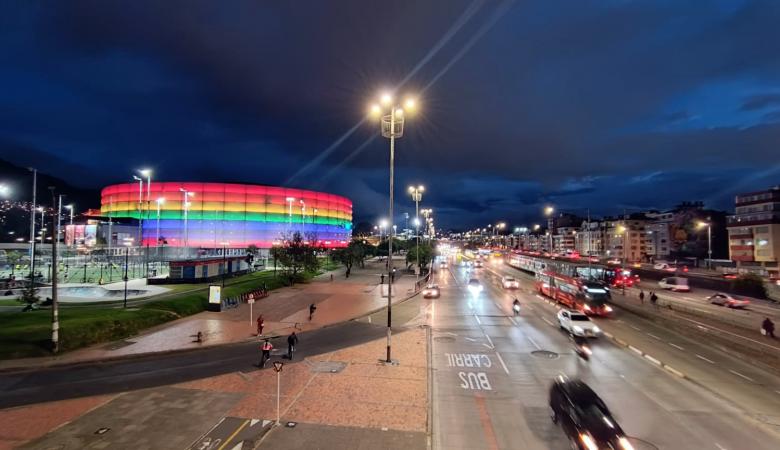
<point x="584" y="417"/>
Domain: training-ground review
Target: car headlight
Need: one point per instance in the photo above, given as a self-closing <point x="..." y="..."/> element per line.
<point x="608" y="308"/>
<point x="596" y="330"/>
<point x="577" y="328"/>
<point x="624" y="444"/>
<point x="588" y="441"/>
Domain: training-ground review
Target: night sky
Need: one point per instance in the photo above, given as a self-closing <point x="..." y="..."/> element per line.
<point x="607" y="105"/>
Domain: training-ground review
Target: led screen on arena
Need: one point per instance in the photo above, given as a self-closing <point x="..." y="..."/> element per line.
<point x="235" y="215"/>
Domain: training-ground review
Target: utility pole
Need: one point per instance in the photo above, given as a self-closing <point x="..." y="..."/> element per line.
<point x="55" y="319"/>
<point x="32" y="229"/>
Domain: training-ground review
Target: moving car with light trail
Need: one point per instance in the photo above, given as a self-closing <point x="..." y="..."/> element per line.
<point x="676" y="284"/>
<point x="474" y="286"/>
<point x="510" y="283"/>
<point x="431" y="291"/>
<point x="728" y="300"/>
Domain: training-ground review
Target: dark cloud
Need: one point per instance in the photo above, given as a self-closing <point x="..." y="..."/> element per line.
<point x="590" y="105"/>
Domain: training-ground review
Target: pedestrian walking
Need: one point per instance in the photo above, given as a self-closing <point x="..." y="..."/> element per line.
<point x="312" y="308"/>
<point x="331" y="278"/>
<point x="653" y="298"/>
<point x="292" y="341"/>
<point x="382" y="279"/>
<point x="641" y="296"/>
<point x="769" y="327"/>
<point x="266" y="352"/>
<point x="260" y="325"/>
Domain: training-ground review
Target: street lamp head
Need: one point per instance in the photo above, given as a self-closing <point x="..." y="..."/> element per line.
<point x="386" y="99"/>
<point x="416" y="222"/>
<point x="145" y="172"/>
<point x="399" y="112"/>
<point x="375" y="110"/>
<point x="701" y="224"/>
<point x="161" y="201"/>
<point x="410" y="104"/>
<point x="536" y="227"/>
<point x="548" y="210"/>
<point x="69" y="206"/>
<point x="290" y="199"/>
<point x="383" y="223"/>
<point x="4" y="190"/>
<point x="136" y="178"/>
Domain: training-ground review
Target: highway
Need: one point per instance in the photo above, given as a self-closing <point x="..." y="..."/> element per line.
<point x="492" y="372"/>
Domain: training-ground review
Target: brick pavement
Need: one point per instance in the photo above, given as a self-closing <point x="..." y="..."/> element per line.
<point x="348" y="408"/>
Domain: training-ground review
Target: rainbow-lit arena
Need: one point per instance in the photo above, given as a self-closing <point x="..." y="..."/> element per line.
<point x="232" y="215"/>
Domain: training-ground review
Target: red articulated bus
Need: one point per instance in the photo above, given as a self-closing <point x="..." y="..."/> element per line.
<point x="587" y="297"/>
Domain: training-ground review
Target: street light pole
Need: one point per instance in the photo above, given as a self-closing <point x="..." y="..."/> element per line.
<point x="55" y="312"/>
<point x="140" y="206"/>
<point x="32" y="229"/>
<point x="395" y="117"/>
<point x="160" y="202"/>
<point x="417" y="197"/>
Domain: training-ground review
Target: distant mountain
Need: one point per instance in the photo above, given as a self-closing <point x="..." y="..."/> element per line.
<point x="19" y="179"/>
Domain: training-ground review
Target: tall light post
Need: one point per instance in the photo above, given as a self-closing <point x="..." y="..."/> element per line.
<point x="303" y="217"/>
<point x="32" y="227"/>
<point x="128" y="243"/>
<point x="702" y="224"/>
<point x="392" y="126"/>
<point x="382" y="228"/>
<point x="416" y="193"/>
<point x="140" y="206"/>
<point x="224" y="262"/>
<point x="548" y="212"/>
<point x="290" y="201"/>
<point x="147" y="173"/>
<point x="160" y="201"/>
<point x="186" y="207"/>
<point x="55" y="314"/>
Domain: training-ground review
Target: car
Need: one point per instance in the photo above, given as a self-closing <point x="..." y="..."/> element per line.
<point x="510" y="283"/>
<point x="676" y="284"/>
<point x="729" y="276"/>
<point x="443" y="264"/>
<point x="431" y="291"/>
<point x="478" y="264"/>
<point x="728" y="300"/>
<point x="584" y="416"/>
<point x="474" y="286"/>
<point x="614" y="261"/>
<point x="665" y="267"/>
<point x="577" y="323"/>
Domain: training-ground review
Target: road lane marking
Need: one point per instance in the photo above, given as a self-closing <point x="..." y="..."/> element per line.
<point x="488" y="346"/>
<point x="534" y="342"/>
<point x="232" y="436"/>
<point x="501" y="360"/>
<point x="743" y="376"/>
<point x="512" y="320"/>
<point x="708" y="360"/>
<point x="635" y="350"/>
<point x="653" y="360"/>
<point x="635" y="327"/>
<point x="676" y="346"/>
<point x="548" y="321"/>
<point x="653" y="336"/>
<point x="720" y="446"/>
<point x="477" y="317"/>
<point x="490" y="340"/>
<point x="470" y="339"/>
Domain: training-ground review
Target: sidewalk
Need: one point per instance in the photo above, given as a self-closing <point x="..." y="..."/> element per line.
<point x="341" y="399"/>
<point x="285" y="310"/>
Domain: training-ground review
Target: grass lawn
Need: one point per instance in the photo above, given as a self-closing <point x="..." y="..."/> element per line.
<point x="29" y="334"/>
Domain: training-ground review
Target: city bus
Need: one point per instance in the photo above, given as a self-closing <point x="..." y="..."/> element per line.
<point x="588" y="297"/>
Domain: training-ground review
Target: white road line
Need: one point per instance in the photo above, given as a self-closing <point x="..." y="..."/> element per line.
<point x="548" y="321"/>
<point x="497" y="305"/>
<point x="487" y="346"/>
<point x="778" y="392"/>
<point x="471" y="339"/>
<point x="511" y="319"/>
<point x="635" y="350"/>
<point x="720" y="446"/>
<point x="490" y="340"/>
<point x="534" y="342"/>
<point x="477" y="317"/>
<point x="708" y="360"/>
<point x="676" y="346"/>
<point x="743" y="376"/>
<point x="653" y="360"/>
<point x="635" y="327"/>
<point x="501" y="360"/>
<point x="653" y="336"/>
<point x="540" y="297"/>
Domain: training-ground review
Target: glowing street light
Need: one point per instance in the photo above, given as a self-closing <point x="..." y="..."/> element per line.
<point x="186" y="207"/>
<point x="702" y="224"/>
<point x="392" y="127"/>
<point x="160" y="201"/>
<point x="417" y="197"/>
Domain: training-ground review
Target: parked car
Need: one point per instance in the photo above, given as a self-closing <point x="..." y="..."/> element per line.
<point x="577" y="323"/>
<point x="728" y="300"/>
<point x="431" y="291"/>
<point x="584" y="417"/>
<point x="510" y="283"/>
<point x="676" y="284"/>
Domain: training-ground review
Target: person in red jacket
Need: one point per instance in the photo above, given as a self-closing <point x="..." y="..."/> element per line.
<point x="260" y="325"/>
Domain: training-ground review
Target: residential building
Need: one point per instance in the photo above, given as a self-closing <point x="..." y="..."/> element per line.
<point x="657" y="241"/>
<point x="625" y="237"/>
<point x="563" y="239"/>
<point x="590" y="238"/>
<point x="754" y="231"/>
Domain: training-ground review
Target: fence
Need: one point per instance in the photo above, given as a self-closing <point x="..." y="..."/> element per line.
<point x="234" y="301"/>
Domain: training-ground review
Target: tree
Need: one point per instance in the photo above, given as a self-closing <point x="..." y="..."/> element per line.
<point x="353" y="253"/>
<point x="13" y="258"/>
<point x="296" y="256"/>
<point x="426" y="255"/>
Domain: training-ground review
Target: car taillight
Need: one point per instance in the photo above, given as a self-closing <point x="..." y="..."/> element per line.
<point x="608" y="308"/>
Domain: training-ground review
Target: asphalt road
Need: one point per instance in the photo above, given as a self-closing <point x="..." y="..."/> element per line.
<point x="57" y="383"/>
<point x="490" y="387"/>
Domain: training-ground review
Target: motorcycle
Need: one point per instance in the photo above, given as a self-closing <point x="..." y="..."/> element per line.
<point x="583" y="351"/>
<point x="516" y="308"/>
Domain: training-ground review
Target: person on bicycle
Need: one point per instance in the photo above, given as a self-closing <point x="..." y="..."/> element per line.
<point x="292" y="341"/>
<point x="266" y="349"/>
<point x="516" y="306"/>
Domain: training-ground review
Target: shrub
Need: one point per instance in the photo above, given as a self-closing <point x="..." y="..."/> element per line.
<point x="749" y="284"/>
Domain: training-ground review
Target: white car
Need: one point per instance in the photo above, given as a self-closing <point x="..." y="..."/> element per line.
<point x="677" y="284"/>
<point x="510" y="283"/>
<point x="443" y="264"/>
<point x="475" y="286"/>
<point x="577" y="323"/>
<point x="431" y="291"/>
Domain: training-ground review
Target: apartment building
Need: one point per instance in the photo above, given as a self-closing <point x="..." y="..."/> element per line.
<point x="754" y="231"/>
